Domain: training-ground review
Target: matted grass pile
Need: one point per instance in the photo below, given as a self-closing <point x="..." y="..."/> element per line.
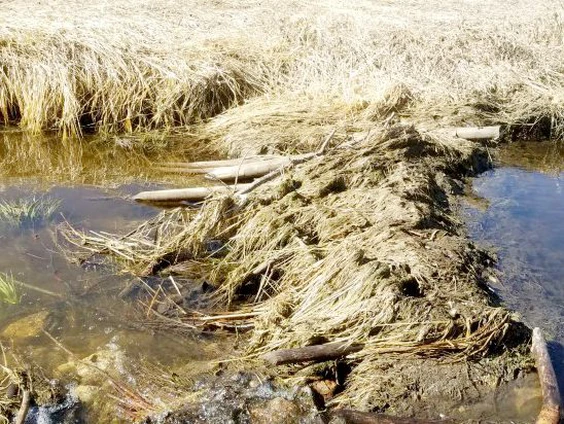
<point x="358" y="246"/>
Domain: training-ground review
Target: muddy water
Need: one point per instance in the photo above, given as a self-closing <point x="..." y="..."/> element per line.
<point x="518" y="211"/>
<point x="84" y="311"/>
<point x="79" y="308"/>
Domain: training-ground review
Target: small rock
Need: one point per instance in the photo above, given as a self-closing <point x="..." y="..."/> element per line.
<point x="27" y="327"/>
<point x="276" y="411"/>
<point x="86" y="394"/>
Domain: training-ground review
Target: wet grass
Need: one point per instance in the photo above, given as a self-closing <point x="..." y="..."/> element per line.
<point x="26" y="213"/>
<point x="8" y="291"/>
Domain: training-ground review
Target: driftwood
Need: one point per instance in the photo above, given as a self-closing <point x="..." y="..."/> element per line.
<point x="477" y="133"/>
<point x="248" y="170"/>
<point x="317" y="353"/>
<point x="551" y="403"/>
<point x="185" y="194"/>
<point x="357" y="417"/>
<point x="228" y="169"/>
<point x="266" y="167"/>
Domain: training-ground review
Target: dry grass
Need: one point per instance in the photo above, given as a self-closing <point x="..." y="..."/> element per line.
<point x="358" y="246"/>
<point x="133" y="66"/>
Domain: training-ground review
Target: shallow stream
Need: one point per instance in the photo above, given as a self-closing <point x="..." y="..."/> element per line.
<point x="517" y="210"/>
<point x="65" y="312"/>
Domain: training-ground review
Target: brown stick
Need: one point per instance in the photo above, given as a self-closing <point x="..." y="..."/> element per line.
<point x="551" y="407"/>
<point x="189" y="194"/>
<point x="311" y="353"/>
<point x="478" y="133"/>
<point x="24" y="408"/>
<point x="357" y="417"/>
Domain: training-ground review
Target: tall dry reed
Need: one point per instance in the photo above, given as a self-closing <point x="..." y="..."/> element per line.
<point x="127" y="66"/>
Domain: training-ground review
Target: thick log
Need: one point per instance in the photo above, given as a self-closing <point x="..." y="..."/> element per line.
<point x="551" y="402"/>
<point x="311" y="353"/>
<point x="249" y="170"/>
<point x="185" y="194"/>
<point x="357" y="417"/>
<point x="478" y="133"/>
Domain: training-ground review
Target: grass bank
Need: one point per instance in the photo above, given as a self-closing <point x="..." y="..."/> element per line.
<point x="137" y="66"/>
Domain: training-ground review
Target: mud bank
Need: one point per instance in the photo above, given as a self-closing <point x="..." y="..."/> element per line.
<point x="359" y="246"/>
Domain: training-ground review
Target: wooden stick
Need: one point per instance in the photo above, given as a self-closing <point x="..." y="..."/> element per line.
<point x="233" y="165"/>
<point x="189" y="194"/>
<point x="311" y="353"/>
<point x="24" y="407"/>
<point x="357" y="417"/>
<point x="248" y="170"/>
<point x="551" y="407"/>
<point x="478" y="133"/>
<point x="295" y="160"/>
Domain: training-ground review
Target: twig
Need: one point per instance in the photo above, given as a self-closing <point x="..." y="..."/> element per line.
<point x="24" y="407"/>
<point x="293" y="161"/>
<point x="551" y="408"/>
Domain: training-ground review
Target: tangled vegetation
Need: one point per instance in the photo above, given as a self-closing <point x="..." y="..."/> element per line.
<point x="359" y="246"/>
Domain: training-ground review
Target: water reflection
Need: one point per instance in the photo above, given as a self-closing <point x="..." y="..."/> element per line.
<point x="78" y="306"/>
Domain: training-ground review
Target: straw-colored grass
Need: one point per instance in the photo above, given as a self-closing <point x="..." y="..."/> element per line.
<point x="357" y="246"/>
<point x="136" y="65"/>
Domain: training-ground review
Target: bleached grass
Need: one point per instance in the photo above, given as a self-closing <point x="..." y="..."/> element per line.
<point x="134" y="66"/>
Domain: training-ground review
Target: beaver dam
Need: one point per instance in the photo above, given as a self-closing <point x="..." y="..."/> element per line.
<point x="314" y="264"/>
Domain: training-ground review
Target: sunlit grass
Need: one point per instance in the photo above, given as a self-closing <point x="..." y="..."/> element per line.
<point x="24" y="213"/>
<point x="8" y="292"/>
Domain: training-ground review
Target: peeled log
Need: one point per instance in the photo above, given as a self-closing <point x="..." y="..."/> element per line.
<point x="185" y="194"/>
<point x="221" y="163"/>
<point x="311" y="353"/>
<point x="551" y="407"/>
<point x="250" y="170"/>
<point x="478" y="133"/>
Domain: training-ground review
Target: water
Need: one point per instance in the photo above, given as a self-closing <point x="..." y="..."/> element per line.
<point x="520" y="215"/>
<point x="67" y="312"/>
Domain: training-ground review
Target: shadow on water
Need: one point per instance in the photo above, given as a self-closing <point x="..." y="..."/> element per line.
<point x="520" y="215"/>
<point x="556" y="351"/>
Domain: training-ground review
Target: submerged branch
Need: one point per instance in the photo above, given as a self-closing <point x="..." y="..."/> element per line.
<point x="551" y="407"/>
